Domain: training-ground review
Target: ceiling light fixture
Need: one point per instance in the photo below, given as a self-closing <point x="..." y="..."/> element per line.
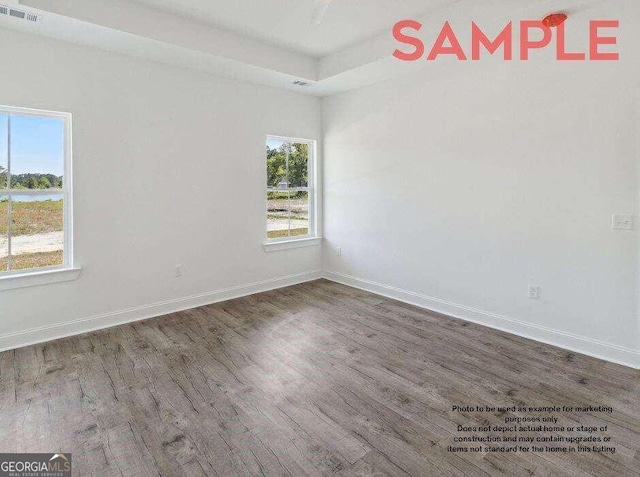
<point x="319" y="11"/>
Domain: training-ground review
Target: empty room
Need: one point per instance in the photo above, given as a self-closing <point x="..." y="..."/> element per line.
<point x="319" y="237"/>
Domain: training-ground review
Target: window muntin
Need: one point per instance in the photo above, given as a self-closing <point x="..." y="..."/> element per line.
<point x="35" y="192"/>
<point x="290" y="188"/>
<point x="4" y="237"/>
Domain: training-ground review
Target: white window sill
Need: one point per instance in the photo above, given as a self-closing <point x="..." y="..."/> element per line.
<point x="36" y="278"/>
<point x="289" y="244"/>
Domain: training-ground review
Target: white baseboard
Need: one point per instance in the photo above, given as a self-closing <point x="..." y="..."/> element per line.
<point x="107" y="320"/>
<point x="579" y="344"/>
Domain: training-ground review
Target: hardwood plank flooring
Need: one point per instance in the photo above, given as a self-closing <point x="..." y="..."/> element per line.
<point x="314" y="379"/>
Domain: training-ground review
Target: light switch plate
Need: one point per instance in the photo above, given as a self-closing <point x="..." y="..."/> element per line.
<point x="622" y="222"/>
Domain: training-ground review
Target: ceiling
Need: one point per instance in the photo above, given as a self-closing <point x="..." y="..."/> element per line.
<point x="287" y="23"/>
<point x="273" y="42"/>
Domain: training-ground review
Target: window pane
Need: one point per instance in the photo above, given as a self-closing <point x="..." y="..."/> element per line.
<point x="37" y="237"/>
<point x="299" y="213"/>
<point x="3" y="150"/>
<point x="277" y="214"/>
<point x="276" y="163"/>
<point x="299" y="165"/>
<point x="37" y="152"/>
<point x="4" y="243"/>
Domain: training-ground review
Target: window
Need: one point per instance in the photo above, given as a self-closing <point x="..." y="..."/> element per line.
<point x="35" y="191"/>
<point x="290" y="189"/>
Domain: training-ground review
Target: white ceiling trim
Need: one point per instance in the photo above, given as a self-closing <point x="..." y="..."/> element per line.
<point x="138" y="20"/>
<point x="136" y="30"/>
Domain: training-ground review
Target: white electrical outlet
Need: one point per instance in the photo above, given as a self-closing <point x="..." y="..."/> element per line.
<point x="534" y="292"/>
<point x="339" y="251"/>
<point x="178" y="270"/>
<point x="622" y="222"/>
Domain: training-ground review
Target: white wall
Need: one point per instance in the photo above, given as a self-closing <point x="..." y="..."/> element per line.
<point x="169" y="169"/>
<point x="454" y="187"/>
<point x="458" y="186"/>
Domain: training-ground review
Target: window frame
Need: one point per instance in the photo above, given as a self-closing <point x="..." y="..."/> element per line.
<point x="275" y="244"/>
<point x="34" y="275"/>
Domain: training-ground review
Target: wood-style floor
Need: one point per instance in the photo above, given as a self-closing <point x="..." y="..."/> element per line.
<point x="314" y="379"/>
